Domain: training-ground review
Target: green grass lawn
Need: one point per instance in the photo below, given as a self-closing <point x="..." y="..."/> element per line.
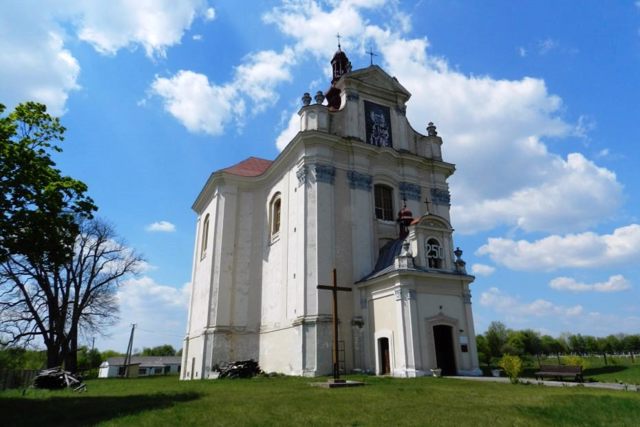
<point x="165" y="401"/>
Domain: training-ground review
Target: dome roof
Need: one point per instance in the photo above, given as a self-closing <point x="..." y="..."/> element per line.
<point x="405" y="213"/>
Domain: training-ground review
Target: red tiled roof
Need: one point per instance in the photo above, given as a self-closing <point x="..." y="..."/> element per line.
<point x="253" y="166"/>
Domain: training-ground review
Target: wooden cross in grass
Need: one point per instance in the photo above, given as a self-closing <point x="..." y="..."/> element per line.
<point x="334" y="289"/>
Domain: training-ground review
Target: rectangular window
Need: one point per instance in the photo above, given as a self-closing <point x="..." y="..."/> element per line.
<point x="384" y="203"/>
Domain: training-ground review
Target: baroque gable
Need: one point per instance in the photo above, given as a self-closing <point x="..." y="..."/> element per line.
<point x="375" y="81"/>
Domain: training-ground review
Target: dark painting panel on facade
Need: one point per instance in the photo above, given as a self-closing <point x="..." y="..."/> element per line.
<point x="378" y="122"/>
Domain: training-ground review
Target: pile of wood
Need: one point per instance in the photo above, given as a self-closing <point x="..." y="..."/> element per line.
<point x="56" y="378"/>
<point x="241" y="369"/>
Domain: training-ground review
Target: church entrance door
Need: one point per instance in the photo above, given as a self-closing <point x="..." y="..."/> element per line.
<point x="385" y="365"/>
<point x="445" y="358"/>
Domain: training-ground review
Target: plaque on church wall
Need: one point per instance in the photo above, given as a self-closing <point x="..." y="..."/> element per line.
<point x="378" y="122"/>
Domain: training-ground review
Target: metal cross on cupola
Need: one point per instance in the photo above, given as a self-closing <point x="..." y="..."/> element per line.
<point x="335" y="289"/>
<point x="371" y="54"/>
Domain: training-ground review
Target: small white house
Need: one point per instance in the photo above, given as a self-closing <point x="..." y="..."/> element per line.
<point x="144" y="366"/>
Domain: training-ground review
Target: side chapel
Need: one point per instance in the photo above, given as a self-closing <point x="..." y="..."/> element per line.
<point x="359" y="190"/>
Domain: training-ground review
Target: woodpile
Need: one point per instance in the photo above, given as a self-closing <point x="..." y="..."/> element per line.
<point x="57" y="378"/>
<point x="240" y="369"/>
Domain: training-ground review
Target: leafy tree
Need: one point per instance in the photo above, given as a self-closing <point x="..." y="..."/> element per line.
<point x="552" y="345"/>
<point x="515" y="344"/>
<point x="161" y="350"/>
<point x="484" y="354"/>
<point x="631" y="343"/>
<point x="616" y="343"/>
<point x="110" y="353"/>
<point x="17" y="358"/>
<point x="603" y="346"/>
<point x="590" y="344"/>
<point x="40" y="206"/>
<point x="496" y="336"/>
<point x="88" y="358"/>
<point x="577" y="344"/>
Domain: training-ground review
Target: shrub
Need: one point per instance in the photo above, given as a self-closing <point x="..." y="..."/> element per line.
<point x="512" y="366"/>
<point x="575" y="361"/>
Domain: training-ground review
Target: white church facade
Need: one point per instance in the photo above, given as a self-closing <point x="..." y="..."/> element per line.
<point x="341" y="195"/>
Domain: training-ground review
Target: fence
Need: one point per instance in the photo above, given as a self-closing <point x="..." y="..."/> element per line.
<point x="16" y="379"/>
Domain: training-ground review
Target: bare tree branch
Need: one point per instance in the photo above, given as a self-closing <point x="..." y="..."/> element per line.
<point x="57" y="302"/>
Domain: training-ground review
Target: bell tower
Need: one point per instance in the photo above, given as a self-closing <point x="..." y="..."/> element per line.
<point x="340" y="65"/>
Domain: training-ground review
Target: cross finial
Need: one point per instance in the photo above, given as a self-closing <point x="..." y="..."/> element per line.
<point x="338" y="36"/>
<point x="371" y="54"/>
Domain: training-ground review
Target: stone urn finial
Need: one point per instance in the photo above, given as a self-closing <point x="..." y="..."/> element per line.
<point x="431" y="129"/>
<point x="319" y="97"/>
<point x="459" y="263"/>
<point x="306" y="99"/>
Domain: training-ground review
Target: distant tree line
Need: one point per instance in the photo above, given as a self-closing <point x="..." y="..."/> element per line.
<point x="17" y="358"/>
<point x="498" y="340"/>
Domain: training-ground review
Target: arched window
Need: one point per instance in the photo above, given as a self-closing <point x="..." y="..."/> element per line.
<point x="205" y="237"/>
<point x="435" y="253"/>
<point x="383" y="195"/>
<point x="276" y="209"/>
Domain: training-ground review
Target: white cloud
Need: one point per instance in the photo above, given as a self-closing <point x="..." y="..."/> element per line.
<point x="208" y="108"/>
<point x="210" y="14"/>
<point x="144" y="267"/>
<point x="573" y="194"/>
<point x="615" y="283"/>
<point x="482" y="269"/>
<point x="261" y="72"/>
<point x="197" y="37"/>
<point x="34" y="63"/>
<point x="547" y="45"/>
<point x="161" y="226"/>
<point x="582" y="250"/>
<point x="314" y="29"/>
<point x="159" y="311"/>
<point x="522" y="51"/>
<point x="292" y="129"/>
<point x="584" y="126"/>
<point x="513" y="307"/>
<point x="198" y="105"/>
<point x="153" y="24"/>
<point x="144" y="293"/>
<point x="484" y="121"/>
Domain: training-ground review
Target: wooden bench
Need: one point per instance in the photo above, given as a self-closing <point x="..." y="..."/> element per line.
<point x="560" y="371"/>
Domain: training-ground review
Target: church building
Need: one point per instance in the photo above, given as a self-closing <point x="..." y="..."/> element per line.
<point x="358" y="190"/>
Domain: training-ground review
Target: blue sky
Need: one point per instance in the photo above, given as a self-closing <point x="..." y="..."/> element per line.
<point x="537" y="102"/>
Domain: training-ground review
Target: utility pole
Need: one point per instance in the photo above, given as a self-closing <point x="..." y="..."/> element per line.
<point x="127" y="358"/>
